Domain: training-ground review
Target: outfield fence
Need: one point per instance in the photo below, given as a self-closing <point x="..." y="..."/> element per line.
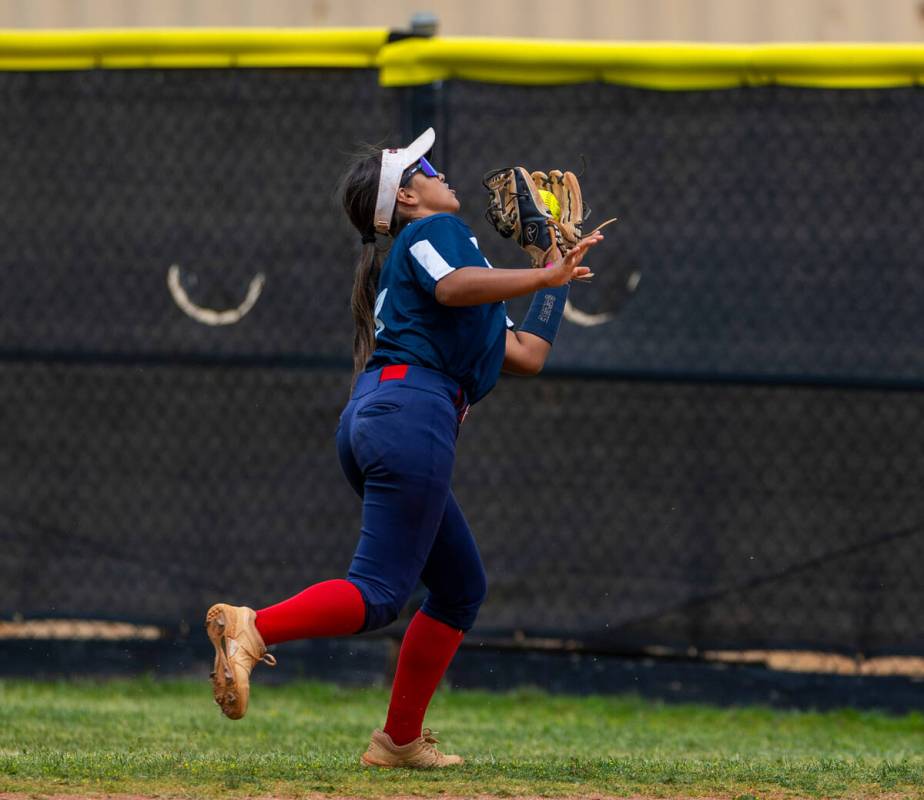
<point x="724" y="451"/>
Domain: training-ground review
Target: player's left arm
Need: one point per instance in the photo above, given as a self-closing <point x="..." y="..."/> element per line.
<point x="527" y="349"/>
<point x="525" y="353"/>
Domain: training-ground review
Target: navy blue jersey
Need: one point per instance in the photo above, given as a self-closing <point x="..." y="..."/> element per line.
<point x="466" y="343"/>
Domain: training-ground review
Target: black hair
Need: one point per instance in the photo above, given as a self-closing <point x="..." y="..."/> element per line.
<point x="358" y="192"/>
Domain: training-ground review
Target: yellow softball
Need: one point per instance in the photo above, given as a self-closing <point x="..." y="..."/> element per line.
<point x="551" y="203"/>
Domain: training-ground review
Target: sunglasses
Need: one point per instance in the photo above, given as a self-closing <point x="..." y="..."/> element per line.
<point x="423" y="166"/>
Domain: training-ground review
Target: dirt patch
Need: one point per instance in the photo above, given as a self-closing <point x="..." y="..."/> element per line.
<point x="781" y="660"/>
<point x="82" y="629"/>
<point x="807" y="661"/>
<point x="436" y="796"/>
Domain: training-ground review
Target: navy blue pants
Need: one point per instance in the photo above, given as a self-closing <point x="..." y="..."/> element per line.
<point x="397" y="442"/>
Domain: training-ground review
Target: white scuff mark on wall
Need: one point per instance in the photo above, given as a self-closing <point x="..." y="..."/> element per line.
<point x="210" y="316"/>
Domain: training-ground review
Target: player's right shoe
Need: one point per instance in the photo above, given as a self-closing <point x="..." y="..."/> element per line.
<point x="238" y="648"/>
<point x="419" y="754"/>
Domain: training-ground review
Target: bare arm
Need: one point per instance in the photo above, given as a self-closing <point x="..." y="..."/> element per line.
<point x="472" y="286"/>
<point x="525" y="353"/>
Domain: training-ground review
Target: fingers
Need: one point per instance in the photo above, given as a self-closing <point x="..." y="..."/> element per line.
<point x="571" y="267"/>
<point x="583" y="246"/>
<point x="586" y="244"/>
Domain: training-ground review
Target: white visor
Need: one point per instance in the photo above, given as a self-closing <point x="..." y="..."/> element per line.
<point x="394" y="162"/>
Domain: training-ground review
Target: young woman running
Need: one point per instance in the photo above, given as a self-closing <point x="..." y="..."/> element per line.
<point x="431" y="338"/>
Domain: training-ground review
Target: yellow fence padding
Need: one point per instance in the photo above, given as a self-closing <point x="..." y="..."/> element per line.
<point x="653" y="65"/>
<point x="190" y="48"/>
<point x="407" y="62"/>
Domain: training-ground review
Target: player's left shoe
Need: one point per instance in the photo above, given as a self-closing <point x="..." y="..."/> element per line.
<point x="419" y="754"/>
<point x="238" y="649"/>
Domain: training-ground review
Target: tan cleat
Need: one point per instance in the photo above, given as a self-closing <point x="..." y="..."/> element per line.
<point x="419" y="754"/>
<point x="238" y="648"/>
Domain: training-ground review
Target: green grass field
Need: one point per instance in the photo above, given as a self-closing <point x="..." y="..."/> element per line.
<point x="169" y="739"/>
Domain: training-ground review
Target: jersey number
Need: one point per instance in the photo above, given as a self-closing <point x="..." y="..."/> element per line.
<point x="379" y="302"/>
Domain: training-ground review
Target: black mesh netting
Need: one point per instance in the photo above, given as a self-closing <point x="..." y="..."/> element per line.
<point x="110" y="178"/>
<point x="777" y="231"/>
<point x="151" y="464"/>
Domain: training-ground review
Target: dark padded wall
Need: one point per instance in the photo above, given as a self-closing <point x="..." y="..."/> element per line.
<point x="705" y="487"/>
<point x="111" y="177"/>
<point x="777" y="230"/>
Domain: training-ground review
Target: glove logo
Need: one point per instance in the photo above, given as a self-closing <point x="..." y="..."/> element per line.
<point x="531" y="233"/>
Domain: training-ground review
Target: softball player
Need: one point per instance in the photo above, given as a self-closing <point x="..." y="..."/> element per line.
<point x="431" y="337"/>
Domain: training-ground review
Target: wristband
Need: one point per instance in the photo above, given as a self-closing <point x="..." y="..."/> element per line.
<point x="544" y="316"/>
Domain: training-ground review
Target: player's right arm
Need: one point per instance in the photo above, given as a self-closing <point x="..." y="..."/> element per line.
<point x="472" y="286"/>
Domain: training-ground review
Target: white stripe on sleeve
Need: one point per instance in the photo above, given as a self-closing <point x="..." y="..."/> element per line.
<point x="430" y="259"/>
<point x="474" y="241"/>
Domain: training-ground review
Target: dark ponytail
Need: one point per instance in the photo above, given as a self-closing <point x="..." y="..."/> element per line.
<point x="359" y="191"/>
<point x="362" y="302"/>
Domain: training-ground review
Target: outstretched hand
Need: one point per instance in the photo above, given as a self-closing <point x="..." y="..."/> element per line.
<point x="567" y="269"/>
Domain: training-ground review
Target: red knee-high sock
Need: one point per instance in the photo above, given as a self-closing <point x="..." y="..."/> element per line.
<point x="426" y="651"/>
<point x="331" y="608"/>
